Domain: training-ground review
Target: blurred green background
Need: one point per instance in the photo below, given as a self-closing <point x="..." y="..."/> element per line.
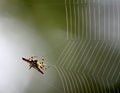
<point x="78" y="38"/>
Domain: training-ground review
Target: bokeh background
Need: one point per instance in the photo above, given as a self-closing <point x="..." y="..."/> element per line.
<point x="78" y="38"/>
